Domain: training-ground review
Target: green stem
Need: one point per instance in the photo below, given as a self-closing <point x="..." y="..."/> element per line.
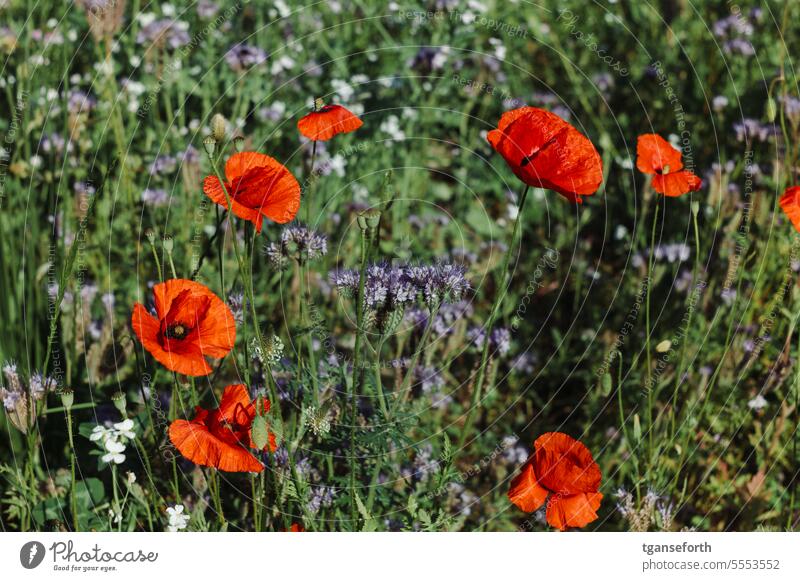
<point x="505" y="280"/>
<point x="650" y="387"/>
<point x="72" y="495"/>
<point x="357" y="373"/>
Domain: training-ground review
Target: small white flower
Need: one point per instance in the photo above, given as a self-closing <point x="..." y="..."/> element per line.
<point x="759" y="402"/>
<point x="131" y="477"/>
<point x="114" y="453"/>
<point x="177" y="520"/>
<point x="125" y="429"/>
<point x="99" y="433"/>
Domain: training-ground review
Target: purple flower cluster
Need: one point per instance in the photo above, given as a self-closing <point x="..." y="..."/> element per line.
<point x="297" y="243"/>
<point x="752" y="129"/>
<point x="321" y="496"/>
<point x="397" y="286"/>
<point x="499" y="340"/>
<point x="791" y="106"/>
<point x="165" y="32"/>
<point x="446" y="317"/>
<point x="243" y="56"/>
<point x="735" y="31"/>
<point x="163" y="165"/>
<point x="439" y="283"/>
<point x="155" y="197"/>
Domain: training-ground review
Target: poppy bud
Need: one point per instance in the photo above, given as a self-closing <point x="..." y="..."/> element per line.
<point x="67" y="398"/>
<point x="209" y="143"/>
<point x="772" y="110"/>
<point x="120" y="402"/>
<point x="218" y="124"/>
<point x="238" y="143"/>
<point x="695" y="208"/>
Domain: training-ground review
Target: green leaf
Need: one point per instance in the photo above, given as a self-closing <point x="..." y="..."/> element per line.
<point x="605" y="384"/>
<point x="260" y="432"/>
<point x="89" y="493"/>
<point x="49" y="509"/>
<point x="369" y="522"/>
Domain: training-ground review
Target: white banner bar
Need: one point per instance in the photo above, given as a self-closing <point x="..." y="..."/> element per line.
<point x="401" y="556"/>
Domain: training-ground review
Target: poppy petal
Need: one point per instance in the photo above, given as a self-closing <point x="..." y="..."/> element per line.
<point x="196" y="443"/>
<point x="676" y="184"/>
<point x="573" y="511"/>
<point x="217" y="330"/>
<point x="213" y="189"/>
<point x="273" y="191"/>
<point x="790" y="204"/>
<point x="545" y="151"/>
<point x="193" y="304"/>
<point x="564" y="465"/>
<point x="329" y="121"/>
<point x="655" y="154"/>
<point x="526" y="492"/>
<point x="232" y="397"/>
<point x="147" y="329"/>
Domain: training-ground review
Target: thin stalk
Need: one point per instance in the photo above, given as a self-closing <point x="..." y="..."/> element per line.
<point x="73" y="498"/>
<point x="501" y="294"/>
<point x="650" y="388"/>
<point x="357" y="373"/>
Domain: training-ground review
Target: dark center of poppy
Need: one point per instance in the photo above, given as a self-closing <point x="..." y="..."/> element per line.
<point x="663" y="170"/>
<point x="177" y="331"/>
<point x="537" y="150"/>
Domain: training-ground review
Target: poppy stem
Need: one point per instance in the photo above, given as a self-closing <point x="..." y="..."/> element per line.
<point x="213" y="482"/>
<point x="73" y="498"/>
<point x="498" y="301"/>
<point x="357" y="372"/>
<point x="648" y="331"/>
<point x="692" y="288"/>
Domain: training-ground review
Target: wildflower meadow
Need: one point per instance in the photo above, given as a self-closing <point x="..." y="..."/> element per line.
<point x="454" y="265"/>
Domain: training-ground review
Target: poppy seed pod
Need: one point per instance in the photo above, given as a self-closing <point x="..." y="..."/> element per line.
<point x="67" y="398"/>
<point x="120" y="402"/>
<point x="209" y="144"/>
<point x="373" y="218"/>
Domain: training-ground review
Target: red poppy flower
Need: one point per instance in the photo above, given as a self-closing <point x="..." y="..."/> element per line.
<point x="258" y="186"/>
<point x="790" y="204"/>
<point x="191" y="323"/>
<point x="545" y="151"/>
<point x="564" y="469"/>
<point x="221" y="438"/>
<point x="297" y="528"/>
<point x="326" y="121"/>
<point x="655" y="156"/>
